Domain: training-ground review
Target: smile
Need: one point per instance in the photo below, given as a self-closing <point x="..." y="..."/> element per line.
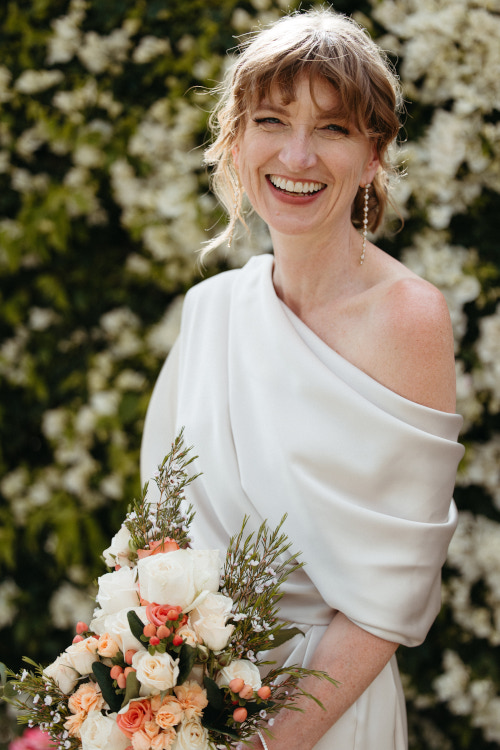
<point x="295" y="188"/>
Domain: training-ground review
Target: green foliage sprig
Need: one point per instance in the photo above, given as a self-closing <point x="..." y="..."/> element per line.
<point x="164" y="519"/>
<point x="255" y="569"/>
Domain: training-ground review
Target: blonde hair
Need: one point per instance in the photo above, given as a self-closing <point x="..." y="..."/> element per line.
<point x="321" y="44"/>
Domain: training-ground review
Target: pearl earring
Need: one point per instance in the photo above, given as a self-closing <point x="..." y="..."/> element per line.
<point x="365" y="223"/>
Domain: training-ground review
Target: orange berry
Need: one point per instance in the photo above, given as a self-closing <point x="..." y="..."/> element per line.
<point x="240" y="714"/>
<point x="116" y="671"/>
<point x="154" y="640"/>
<point x="264" y="692"/>
<point x="246" y="692"/>
<point x="129" y="654"/>
<point x="77" y="639"/>
<point x="81" y="627"/>
<point x="128" y="670"/>
<point x="163" y="632"/>
<point x="177" y="640"/>
<point x="236" y="685"/>
<point x="121" y="680"/>
<point x="172" y="614"/>
<point x="149" y="630"/>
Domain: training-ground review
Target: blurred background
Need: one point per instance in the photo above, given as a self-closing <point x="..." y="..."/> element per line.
<point x="103" y="205"/>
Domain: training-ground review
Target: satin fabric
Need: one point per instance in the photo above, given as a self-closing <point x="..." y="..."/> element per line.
<point x="282" y="424"/>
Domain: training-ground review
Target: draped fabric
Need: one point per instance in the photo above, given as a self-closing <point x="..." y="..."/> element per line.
<point x="282" y="424"/>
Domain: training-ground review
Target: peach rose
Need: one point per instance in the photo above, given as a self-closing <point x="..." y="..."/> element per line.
<point x="192" y="698"/>
<point x="87" y="698"/>
<point x="107" y="646"/>
<point x="73" y="724"/>
<point x="134" y="717"/>
<point x="142" y="740"/>
<point x="170" y="712"/>
<point x="155" y="548"/>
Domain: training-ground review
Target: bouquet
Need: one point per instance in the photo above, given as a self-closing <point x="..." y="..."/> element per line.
<point x="172" y="656"/>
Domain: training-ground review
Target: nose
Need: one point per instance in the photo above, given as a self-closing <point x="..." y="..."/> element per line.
<point x="297" y="153"/>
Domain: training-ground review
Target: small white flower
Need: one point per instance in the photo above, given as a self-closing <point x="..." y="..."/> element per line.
<point x="48" y="700"/>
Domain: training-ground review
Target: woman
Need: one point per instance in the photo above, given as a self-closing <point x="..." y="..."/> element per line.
<point x="320" y="381"/>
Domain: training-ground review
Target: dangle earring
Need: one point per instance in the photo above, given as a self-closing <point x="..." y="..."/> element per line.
<point x="365" y="223"/>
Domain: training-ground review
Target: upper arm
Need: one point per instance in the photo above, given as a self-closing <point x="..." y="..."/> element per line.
<point x="416" y="351"/>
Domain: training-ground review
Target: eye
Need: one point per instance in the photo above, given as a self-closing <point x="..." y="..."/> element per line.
<point x="335" y="129"/>
<point x="267" y="121"/>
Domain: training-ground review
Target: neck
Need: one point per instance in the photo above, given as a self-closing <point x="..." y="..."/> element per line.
<point x="311" y="273"/>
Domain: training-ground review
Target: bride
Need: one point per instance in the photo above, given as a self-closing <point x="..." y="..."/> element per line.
<point x="319" y="381"/>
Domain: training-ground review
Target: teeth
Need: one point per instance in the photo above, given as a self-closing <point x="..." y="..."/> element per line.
<point x="296" y="187"/>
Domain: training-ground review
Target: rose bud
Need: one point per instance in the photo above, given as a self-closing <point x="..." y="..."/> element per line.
<point x="121" y="680"/>
<point x="154" y="640"/>
<point x="240" y="714"/>
<point x="77" y="639"/>
<point x="177" y="640"/>
<point x="149" y="630"/>
<point x="116" y="671"/>
<point x="264" y="692"/>
<point x="81" y="627"/>
<point x="236" y="684"/>
<point x="246" y="692"/>
<point x="129" y="654"/>
<point x="163" y="632"/>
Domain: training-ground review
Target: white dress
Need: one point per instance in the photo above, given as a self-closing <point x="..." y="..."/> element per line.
<point x="282" y="424"/>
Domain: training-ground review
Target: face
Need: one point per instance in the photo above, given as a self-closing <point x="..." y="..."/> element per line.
<point x="302" y="163"/>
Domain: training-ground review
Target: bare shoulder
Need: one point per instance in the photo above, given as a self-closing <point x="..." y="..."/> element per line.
<point x="415" y="341"/>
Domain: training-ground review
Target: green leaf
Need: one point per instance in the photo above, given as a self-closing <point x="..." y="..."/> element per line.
<point x="284" y="635"/>
<point x="187" y="657"/>
<point x="215" y="695"/>
<point x="135" y="623"/>
<point x="103" y="677"/>
<point x="132" y="688"/>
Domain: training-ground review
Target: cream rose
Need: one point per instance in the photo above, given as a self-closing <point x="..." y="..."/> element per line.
<point x="179" y="577"/>
<point x="119" y="551"/>
<point x="64" y="675"/>
<point x="117" y="591"/>
<point x="243" y="669"/>
<point x="82" y="655"/>
<point x="100" y="732"/>
<point x="119" y="629"/>
<point x="208" y="620"/>
<point x="191" y="736"/>
<point x="155" y="673"/>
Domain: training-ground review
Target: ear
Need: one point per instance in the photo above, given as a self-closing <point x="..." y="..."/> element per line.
<point x="235" y="153"/>
<point x="371" y="167"/>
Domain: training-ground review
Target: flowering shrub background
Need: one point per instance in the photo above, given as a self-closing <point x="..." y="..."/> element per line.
<point x="103" y="204"/>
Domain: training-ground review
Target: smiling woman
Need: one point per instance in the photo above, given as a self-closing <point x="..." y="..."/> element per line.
<point x="319" y="381"/>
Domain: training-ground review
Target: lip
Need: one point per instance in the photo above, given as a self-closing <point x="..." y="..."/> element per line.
<point x="291" y="197"/>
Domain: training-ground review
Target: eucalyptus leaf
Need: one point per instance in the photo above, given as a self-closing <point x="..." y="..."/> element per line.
<point x="187" y="657"/>
<point x="135" y="623"/>
<point x="132" y="688"/>
<point x="103" y="677"/>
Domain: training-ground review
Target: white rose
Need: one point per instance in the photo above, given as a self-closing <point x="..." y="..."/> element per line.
<point x="82" y="655"/>
<point x="178" y="577"/>
<point x="155" y="672"/>
<point x="63" y="674"/>
<point x="117" y="591"/>
<point x="119" y="629"/>
<point x="119" y="551"/>
<point x="191" y="736"/>
<point x="242" y="668"/>
<point x="208" y="620"/>
<point x="100" y="732"/>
